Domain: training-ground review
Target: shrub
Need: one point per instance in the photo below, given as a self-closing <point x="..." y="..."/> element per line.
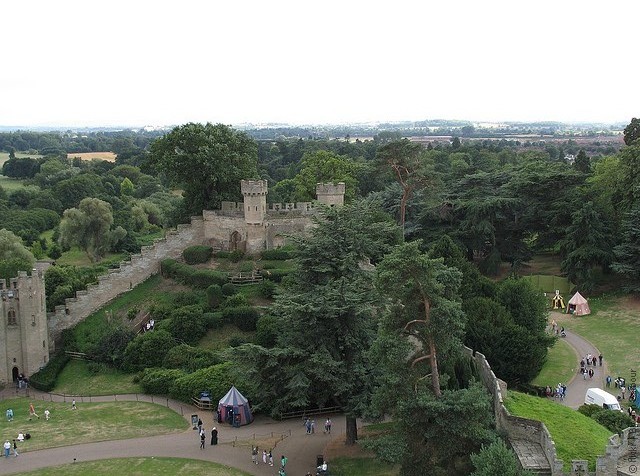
<point x="222" y="254"/>
<point x="188" y="324"/>
<point x="229" y="289"/>
<point x="236" y="341"/>
<point x="236" y="256"/>
<point x="214" y="296"/>
<point x="132" y="313"/>
<point x="148" y="350"/>
<point x="276" y="275"/>
<point x="112" y="345"/>
<point x="197" y="254"/>
<point x="213" y="320"/>
<point x="190" y="359"/>
<point x="188" y="298"/>
<point x="216" y="379"/>
<point x="244" y="318"/>
<point x="267" y="331"/>
<point x="161" y="311"/>
<point x="267" y="289"/>
<point x="158" y="381"/>
<point x="45" y="378"/>
<point x="185" y="274"/>
<point x="237" y="300"/>
<point x="277" y="254"/>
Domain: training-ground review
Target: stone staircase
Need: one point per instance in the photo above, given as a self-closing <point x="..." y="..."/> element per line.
<point x="531" y="457"/>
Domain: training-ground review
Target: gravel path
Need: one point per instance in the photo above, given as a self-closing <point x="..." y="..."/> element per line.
<point x="233" y="449"/>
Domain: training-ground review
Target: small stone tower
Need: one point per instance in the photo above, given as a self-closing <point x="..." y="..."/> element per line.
<point x="255" y="200"/>
<point x="330" y="194"/>
<point x="24" y="336"/>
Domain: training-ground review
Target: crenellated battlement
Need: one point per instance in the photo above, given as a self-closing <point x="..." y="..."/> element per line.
<point x="253" y="187"/>
<point x="331" y="194"/>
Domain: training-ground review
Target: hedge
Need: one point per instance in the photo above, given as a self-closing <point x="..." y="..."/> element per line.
<point x="185" y="274"/>
<point x="216" y="379"/>
<point x="277" y="254"/>
<point x="45" y="378"/>
<point x="197" y="254"/>
<point x="158" y="381"/>
<point x="244" y="318"/>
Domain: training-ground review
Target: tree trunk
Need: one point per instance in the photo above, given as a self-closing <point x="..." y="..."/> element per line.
<point x="352" y="430"/>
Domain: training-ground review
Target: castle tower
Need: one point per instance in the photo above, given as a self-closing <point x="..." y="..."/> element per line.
<point x="24" y="337"/>
<point x="330" y="194"/>
<point x="255" y="200"/>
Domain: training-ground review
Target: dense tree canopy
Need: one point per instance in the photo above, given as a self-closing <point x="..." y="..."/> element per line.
<point x="208" y="161"/>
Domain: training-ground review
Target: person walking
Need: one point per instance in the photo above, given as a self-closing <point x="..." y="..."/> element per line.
<point x="313" y="426"/>
<point x="214" y="436"/>
<point x="254" y="454"/>
<point x="600" y="359"/>
<point x="9" y="414"/>
<point x="264" y="456"/>
<point x="270" y="458"/>
<point x="7" y="449"/>
<point x="15" y="448"/>
<point x="283" y="461"/>
<point x="73" y="405"/>
<point x="47" y="413"/>
<point x="203" y="437"/>
<point x="328" y="425"/>
<point x="32" y="412"/>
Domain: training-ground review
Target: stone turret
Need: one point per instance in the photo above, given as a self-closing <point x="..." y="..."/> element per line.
<point x="330" y="194"/>
<point x="255" y="200"/>
<point x="23" y="332"/>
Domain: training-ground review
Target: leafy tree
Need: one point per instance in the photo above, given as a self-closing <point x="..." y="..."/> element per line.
<point x="627" y="253"/>
<point x="148" y="350"/>
<point x="582" y="162"/>
<point x="20" y="168"/>
<point x="188" y="324"/>
<point x="111" y="347"/>
<point x="207" y="161"/>
<point x="89" y="227"/>
<point x="14" y="256"/>
<point x="586" y="246"/>
<point x="321" y="167"/>
<point x="408" y="163"/>
<point x="126" y="187"/>
<point x="632" y="131"/>
<point x="326" y="317"/>
<point x="496" y="458"/>
<point x="424" y="300"/>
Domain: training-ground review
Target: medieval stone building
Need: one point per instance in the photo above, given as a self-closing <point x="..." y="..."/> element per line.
<point x="24" y="338"/>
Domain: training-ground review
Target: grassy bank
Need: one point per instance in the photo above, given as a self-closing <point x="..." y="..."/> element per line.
<point x="561" y="365"/>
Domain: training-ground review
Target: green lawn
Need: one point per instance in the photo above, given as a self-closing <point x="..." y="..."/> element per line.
<point x="77" y="379"/>
<point x="76" y="257"/>
<point x="10" y="184"/>
<point x="141" y="467"/>
<point x="576" y="436"/>
<point x="561" y="365"/>
<point x="611" y="327"/>
<point x="90" y="422"/>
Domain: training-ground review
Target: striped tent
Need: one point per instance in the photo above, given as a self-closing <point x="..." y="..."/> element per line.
<point x="234" y="409"/>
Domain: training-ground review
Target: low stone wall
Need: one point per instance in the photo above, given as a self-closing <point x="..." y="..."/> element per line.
<point x="515" y="428"/>
<point x="621" y="456"/>
<point x="130" y="273"/>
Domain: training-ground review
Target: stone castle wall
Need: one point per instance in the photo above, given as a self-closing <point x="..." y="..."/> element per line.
<point x="130" y="273"/>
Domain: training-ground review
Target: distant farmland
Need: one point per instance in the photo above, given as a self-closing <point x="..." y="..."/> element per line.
<point x="108" y="156"/>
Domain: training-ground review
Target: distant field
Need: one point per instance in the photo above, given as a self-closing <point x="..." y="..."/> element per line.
<point x="108" y="156"/>
<point x="4" y="156"/>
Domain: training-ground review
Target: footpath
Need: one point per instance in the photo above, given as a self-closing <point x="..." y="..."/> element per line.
<point x="577" y="386"/>
<point x="233" y="449"/>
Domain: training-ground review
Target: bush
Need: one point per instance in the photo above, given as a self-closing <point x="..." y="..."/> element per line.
<point x="213" y="320"/>
<point x="188" y="324"/>
<point x="45" y="378"/>
<point x="267" y="289"/>
<point x="216" y="379"/>
<point x="277" y="254"/>
<point x="237" y="300"/>
<point x="214" y="296"/>
<point x="236" y="256"/>
<point x="188" y="298"/>
<point x="197" y="254"/>
<point x="244" y="318"/>
<point x="190" y="359"/>
<point x="161" y="311"/>
<point x="158" y="381"/>
<point x="267" y="331"/>
<point x="612" y="420"/>
<point x="148" y="350"/>
<point x="236" y="341"/>
<point x="229" y="289"/>
<point x="276" y="275"/>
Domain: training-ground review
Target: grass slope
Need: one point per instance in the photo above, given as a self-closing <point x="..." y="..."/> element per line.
<point x="109" y="421"/>
<point x="78" y="379"/>
<point x="140" y="467"/>
<point x="560" y="365"/>
<point x="576" y="436"/>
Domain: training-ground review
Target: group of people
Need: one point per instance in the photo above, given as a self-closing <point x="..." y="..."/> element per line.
<point x="8" y="446"/>
<point x="203" y="435"/>
<point x="560" y="391"/>
<point x="310" y="425"/>
<point x="588" y="364"/>
<point x="267" y="458"/>
<point x="149" y="326"/>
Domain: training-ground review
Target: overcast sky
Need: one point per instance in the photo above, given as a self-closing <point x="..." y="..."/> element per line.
<point x="138" y="62"/>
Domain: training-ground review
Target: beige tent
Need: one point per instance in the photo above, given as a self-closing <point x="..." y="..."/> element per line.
<point x="578" y="305"/>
